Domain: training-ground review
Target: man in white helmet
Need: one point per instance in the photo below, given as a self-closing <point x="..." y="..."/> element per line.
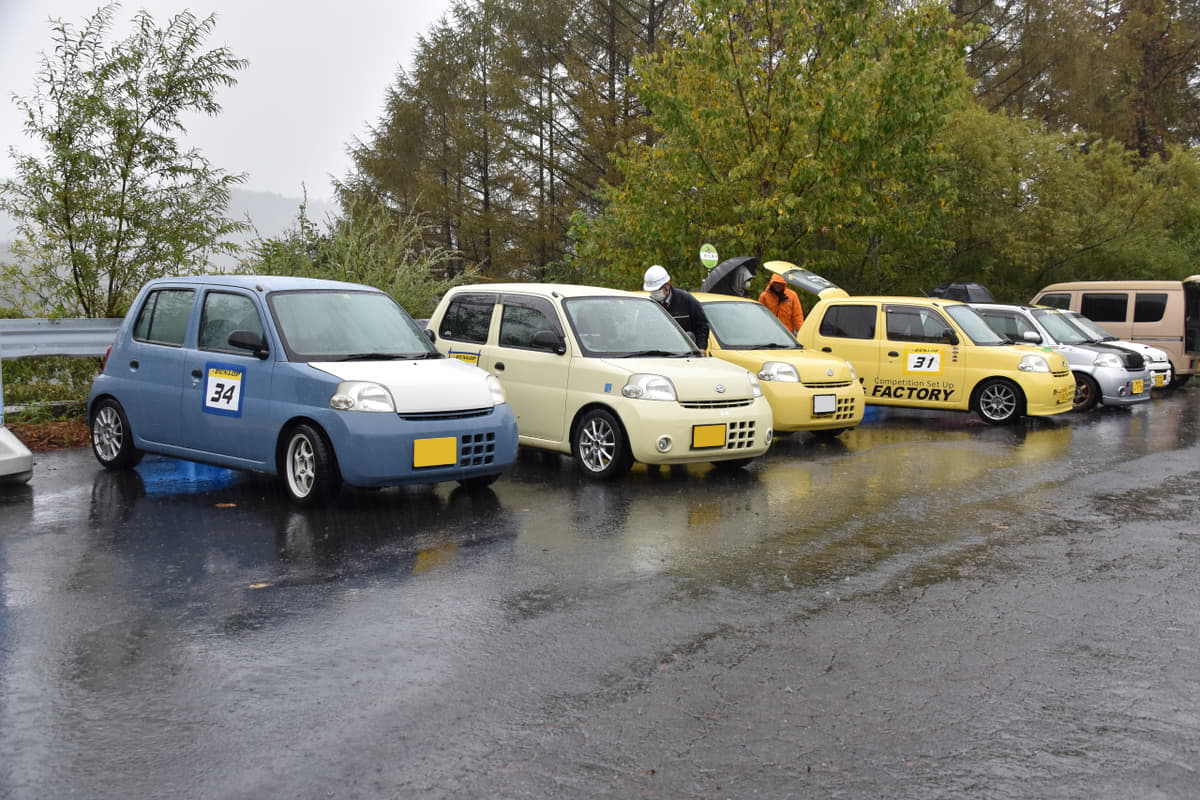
<point x="686" y="310"/>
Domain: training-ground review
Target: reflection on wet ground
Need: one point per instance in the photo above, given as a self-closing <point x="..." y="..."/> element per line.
<point x="185" y="596"/>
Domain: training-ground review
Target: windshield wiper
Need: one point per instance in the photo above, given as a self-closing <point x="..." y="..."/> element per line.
<point x="656" y="354"/>
<point x="374" y="356"/>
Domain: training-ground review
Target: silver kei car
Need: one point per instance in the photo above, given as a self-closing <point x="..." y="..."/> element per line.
<point x="1104" y="374"/>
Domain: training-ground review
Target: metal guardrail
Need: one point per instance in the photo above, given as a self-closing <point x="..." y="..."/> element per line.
<point x="56" y="337"/>
<point x="22" y="338"/>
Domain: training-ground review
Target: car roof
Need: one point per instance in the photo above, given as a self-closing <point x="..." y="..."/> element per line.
<point x="926" y="301"/>
<point x="546" y="289"/>
<point x="262" y="283"/>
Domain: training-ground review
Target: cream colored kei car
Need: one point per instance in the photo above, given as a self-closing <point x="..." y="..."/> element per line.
<point x="604" y="375"/>
<point x="807" y="390"/>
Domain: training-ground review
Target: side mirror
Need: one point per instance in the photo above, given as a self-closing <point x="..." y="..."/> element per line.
<point x="549" y="340"/>
<point x="950" y="337"/>
<point x="431" y="335"/>
<point x="249" y="340"/>
<point x="1032" y="337"/>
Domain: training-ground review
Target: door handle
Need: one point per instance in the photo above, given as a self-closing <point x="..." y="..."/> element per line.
<point x="893" y="354"/>
<point x="133" y="364"/>
<point x="500" y="366"/>
<point x="826" y="349"/>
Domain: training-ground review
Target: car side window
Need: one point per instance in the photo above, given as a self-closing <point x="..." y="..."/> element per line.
<point x="1062" y="301"/>
<point x="222" y="314"/>
<point x="467" y="318"/>
<point x="522" y="318"/>
<point x="164" y="317"/>
<point x="1104" y="307"/>
<point x="1149" y="307"/>
<point x="912" y="324"/>
<point x="1007" y="325"/>
<point x="849" y="322"/>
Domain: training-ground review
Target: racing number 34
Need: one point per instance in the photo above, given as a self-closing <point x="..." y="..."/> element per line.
<point x="223" y="389"/>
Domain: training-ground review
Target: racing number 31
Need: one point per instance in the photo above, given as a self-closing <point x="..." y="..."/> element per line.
<point x="223" y="389"/>
<point x="924" y="361"/>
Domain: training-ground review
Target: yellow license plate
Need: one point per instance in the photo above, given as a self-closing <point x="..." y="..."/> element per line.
<point x="708" y="436"/>
<point x="439" y="452"/>
<point x="1064" y="395"/>
<point x="1139" y="386"/>
<point x="1159" y="380"/>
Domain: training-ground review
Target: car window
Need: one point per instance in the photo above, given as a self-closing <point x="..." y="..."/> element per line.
<point x="1149" y="306"/>
<point x="523" y="317"/>
<point x="467" y="318"/>
<point x="747" y="326"/>
<point x="1056" y="300"/>
<point x="1104" y="307"/>
<point x="1005" y="323"/>
<point x="915" y="324"/>
<point x="322" y="325"/>
<point x="973" y="325"/>
<point x="849" y="322"/>
<point x="1060" y="327"/>
<point x="625" y="326"/>
<point x="222" y="314"/>
<point x="164" y="316"/>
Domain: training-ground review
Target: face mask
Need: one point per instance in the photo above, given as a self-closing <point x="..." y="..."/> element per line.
<point x="658" y="295"/>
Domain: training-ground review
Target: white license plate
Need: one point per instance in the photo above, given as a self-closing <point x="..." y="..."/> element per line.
<point x="824" y="403"/>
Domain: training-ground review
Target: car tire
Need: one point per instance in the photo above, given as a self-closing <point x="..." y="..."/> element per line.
<point x="998" y="401"/>
<point x="1087" y="392"/>
<point x="112" y="438"/>
<point x="1178" y="380"/>
<point x="600" y="446"/>
<point x="478" y="483"/>
<point x="309" y="467"/>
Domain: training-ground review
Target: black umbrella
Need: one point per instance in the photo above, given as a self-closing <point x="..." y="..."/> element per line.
<point x="731" y="276"/>
<point x="966" y="291"/>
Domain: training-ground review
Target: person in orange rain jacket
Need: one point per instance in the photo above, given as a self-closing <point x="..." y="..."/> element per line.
<point x="783" y="302"/>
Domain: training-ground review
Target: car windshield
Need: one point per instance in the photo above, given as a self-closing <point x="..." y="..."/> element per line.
<point x="626" y="327"/>
<point x="973" y="325"/>
<point x="325" y="325"/>
<point x="748" y="326"/>
<point x="1060" y="327"/>
<point x="1093" y="331"/>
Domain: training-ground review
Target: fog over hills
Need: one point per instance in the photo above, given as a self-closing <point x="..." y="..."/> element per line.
<point x="271" y="214"/>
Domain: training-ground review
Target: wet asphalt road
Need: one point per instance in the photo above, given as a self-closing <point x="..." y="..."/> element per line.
<point x="927" y="608"/>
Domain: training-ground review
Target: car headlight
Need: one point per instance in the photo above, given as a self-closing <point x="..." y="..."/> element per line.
<point x="362" y="396"/>
<point x="497" y="390"/>
<point x="755" y="386"/>
<point x="778" y="371"/>
<point x="645" y="386"/>
<point x="1032" y="363"/>
<point x="1107" y="360"/>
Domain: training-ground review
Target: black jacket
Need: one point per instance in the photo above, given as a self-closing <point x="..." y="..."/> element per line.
<point x="688" y="312"/>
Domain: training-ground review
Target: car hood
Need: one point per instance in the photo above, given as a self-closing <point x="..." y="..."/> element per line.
<point x="696" y="379"/>
<point x="812" y="367"/>
<point x="441" y="384"/>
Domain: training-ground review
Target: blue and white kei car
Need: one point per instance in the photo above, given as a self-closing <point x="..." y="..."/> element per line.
<point x="318" y="381"/>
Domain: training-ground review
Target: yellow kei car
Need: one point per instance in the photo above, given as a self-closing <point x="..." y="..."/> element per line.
<point x="938" y="354"/>
<point x="604" y="375"/>
<point x="807" y="390"/>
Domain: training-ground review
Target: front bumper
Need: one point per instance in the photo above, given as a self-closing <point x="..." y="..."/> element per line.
<point x="747" y="431"/>
<point x="793" y="404"/>
<point x="1121" y="388"/>
<point x="378" y="449"/>
<point x="1047" y="394"/>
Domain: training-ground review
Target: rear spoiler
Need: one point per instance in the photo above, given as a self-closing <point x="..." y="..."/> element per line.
<point x="806" y="280"/>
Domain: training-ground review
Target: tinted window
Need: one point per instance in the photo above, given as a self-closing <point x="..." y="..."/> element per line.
<point x="1056" y="300"/>
<point x="1149" y="307"/>
<point x="223" y="314"/>
<point x="851" y="322"/>
<point x="467" y="318"/>
<point x="1104" y="307"/>
<point x="523" y="317"/>
<point x="912" y="324"/>
<point x="164" y="317"/>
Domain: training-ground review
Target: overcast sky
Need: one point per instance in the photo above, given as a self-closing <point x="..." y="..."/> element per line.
<point x="317" y="77"/>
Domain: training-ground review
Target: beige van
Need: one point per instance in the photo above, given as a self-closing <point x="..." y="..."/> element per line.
<point x="1163" y="314"/>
